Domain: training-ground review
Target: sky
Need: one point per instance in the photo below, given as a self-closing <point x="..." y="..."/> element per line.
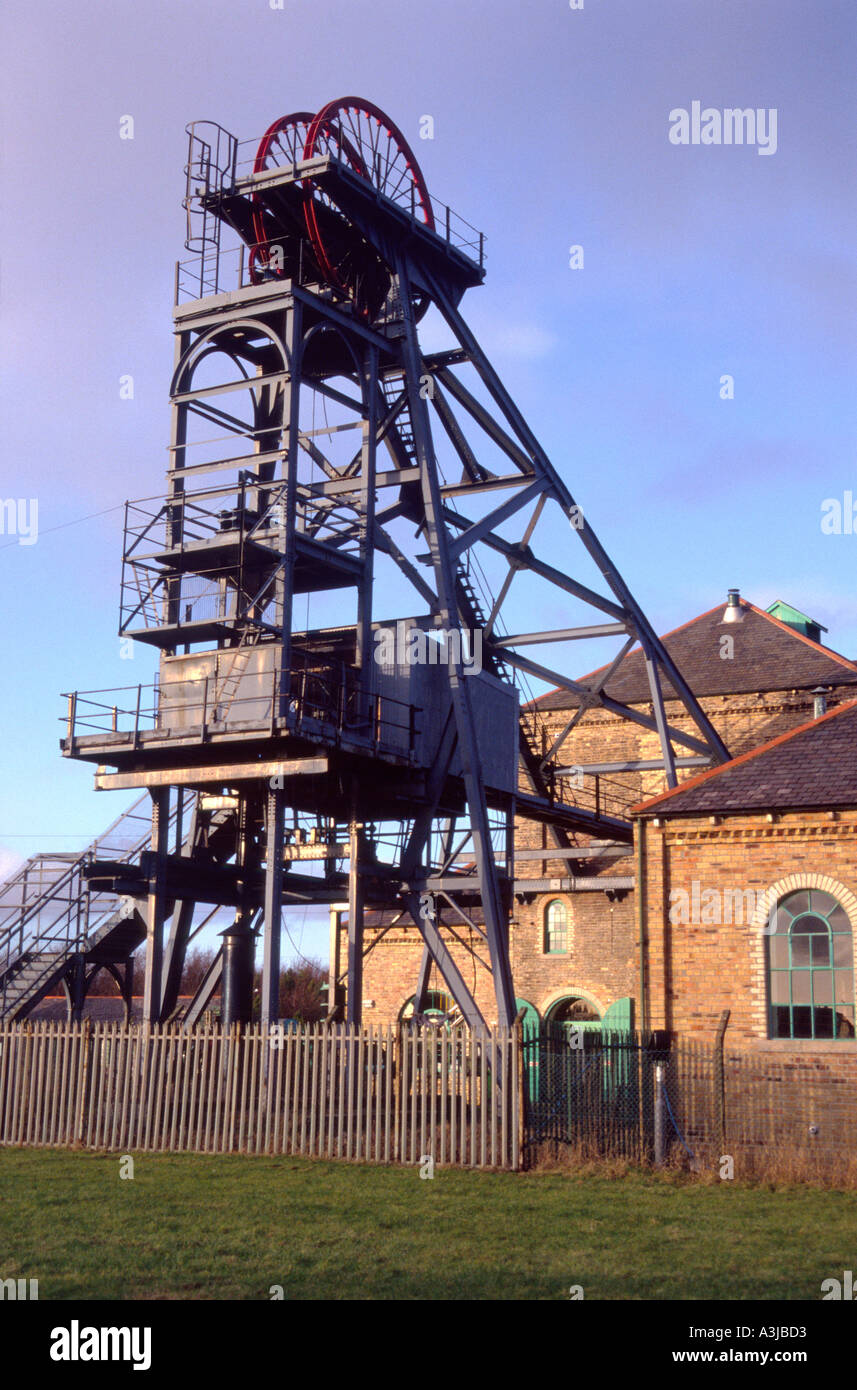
<point x="551" y="130"/>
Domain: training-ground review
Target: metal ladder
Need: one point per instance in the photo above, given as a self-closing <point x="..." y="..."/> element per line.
<point x="225" y="696"/>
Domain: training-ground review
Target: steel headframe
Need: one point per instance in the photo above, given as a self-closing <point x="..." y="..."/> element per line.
<point x="289" y="331"/>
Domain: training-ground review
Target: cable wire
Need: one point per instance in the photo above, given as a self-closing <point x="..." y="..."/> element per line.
<point x="64" y="524"/>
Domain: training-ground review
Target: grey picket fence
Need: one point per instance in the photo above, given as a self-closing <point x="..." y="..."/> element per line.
<point x="386" y="1095"/>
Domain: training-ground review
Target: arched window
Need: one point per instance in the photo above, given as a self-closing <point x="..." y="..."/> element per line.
<point x="437" y="1005"/>
<point x="811" y="968"/>
<point x="556" y="928"/>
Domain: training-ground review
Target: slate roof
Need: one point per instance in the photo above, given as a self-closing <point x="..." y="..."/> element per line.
<point x="768" y="655"/>
<point x="812" y="767"/>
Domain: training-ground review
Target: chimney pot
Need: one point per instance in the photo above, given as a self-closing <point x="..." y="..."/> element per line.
<point x="734" y="612"/>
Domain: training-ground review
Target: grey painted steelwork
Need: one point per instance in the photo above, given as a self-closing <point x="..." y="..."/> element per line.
<point x="399" y="780"/>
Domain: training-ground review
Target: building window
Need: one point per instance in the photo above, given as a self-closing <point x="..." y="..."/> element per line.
<point x="437" y="1005"/>
<point x="556" y="928"/>
<point x="811" y="968"/>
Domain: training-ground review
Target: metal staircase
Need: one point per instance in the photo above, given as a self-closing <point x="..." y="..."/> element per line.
<point x="395" y="398"/>
<point x="478" y="617"/>
<point x="50" y="920"/>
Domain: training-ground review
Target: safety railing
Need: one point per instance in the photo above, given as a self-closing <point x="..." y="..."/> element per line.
<point x="251" y="508"/>
<point x="153" y="598"/>
<point x="322" y="700"/>
<point x="219" y="165"/>
<point x="215" y="269"/>
<point x="211" y="160"/>
<point x="448" y="224"/>
<point x="158" y="590"/>
<point x="600" y="794"/>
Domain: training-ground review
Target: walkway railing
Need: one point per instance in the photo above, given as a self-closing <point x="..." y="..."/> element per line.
<point x="56" y="919"/>
<point x="320" y="697"/>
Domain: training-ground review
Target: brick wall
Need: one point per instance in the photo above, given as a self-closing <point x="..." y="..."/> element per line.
<point x="742" y="721"/>
<point x="792" y="1100"/>
<point x="601" y="962"/>
<point x="696" y="969"/>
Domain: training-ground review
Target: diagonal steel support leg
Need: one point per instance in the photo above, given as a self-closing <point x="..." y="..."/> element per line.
<point x="533" y="451"/>
<point x="156" y="908"/>
<point x="422" y="981"/>
<point x="274" y="837"/>
<point x="496" y="918"/>
<point x="446" y="965"/>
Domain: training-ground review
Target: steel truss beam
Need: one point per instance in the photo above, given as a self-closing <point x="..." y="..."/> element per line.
<point x="531" y="457"/>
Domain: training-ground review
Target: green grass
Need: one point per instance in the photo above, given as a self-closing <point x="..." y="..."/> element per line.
<point x="197" y="1227"/>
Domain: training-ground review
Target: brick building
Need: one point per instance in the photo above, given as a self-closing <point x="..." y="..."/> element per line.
<point x="575" y="929"/>
<point x="748" y="894"/>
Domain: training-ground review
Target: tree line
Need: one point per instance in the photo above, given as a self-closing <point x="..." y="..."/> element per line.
<point x="301" y="996"/>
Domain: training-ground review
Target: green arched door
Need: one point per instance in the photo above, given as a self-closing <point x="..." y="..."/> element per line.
<point x="531" y="1028"/>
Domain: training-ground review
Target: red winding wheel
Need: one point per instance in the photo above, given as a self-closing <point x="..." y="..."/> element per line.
<point x="360" y="135"/>
<point x="282" y="144"/>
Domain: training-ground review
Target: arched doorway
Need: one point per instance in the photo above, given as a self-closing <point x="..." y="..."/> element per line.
<point x="438" y="1004"/>
<point x="531" y="1029"/>
<point x="574" y="1011"/>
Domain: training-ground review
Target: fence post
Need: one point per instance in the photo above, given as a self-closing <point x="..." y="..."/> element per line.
<point x="85" y="1079"/>
<point x="659" y="1113"/>
<point x="720" y="1079"/>
<point x="398" y="1140"/>
<point x="517" y="1036"/>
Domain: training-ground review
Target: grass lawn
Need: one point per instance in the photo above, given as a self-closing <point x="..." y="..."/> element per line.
<point x="197" y="1227"/>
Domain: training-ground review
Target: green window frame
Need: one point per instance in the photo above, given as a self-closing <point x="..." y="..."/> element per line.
<point x="810" y="968"/>
<point x="556" y="928"/>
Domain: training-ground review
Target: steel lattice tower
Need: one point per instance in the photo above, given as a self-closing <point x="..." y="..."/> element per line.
<point x="308" y="428"/>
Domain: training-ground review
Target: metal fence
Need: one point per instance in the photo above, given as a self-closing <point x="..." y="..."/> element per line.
<point x="588" y="1090"/>
<point x="418" y="1091"/>
<point x="379" y="1094"/>
<point x="652" y="1097"/>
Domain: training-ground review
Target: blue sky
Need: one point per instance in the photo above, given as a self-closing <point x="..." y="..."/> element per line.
<point x="551" y="130"/>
